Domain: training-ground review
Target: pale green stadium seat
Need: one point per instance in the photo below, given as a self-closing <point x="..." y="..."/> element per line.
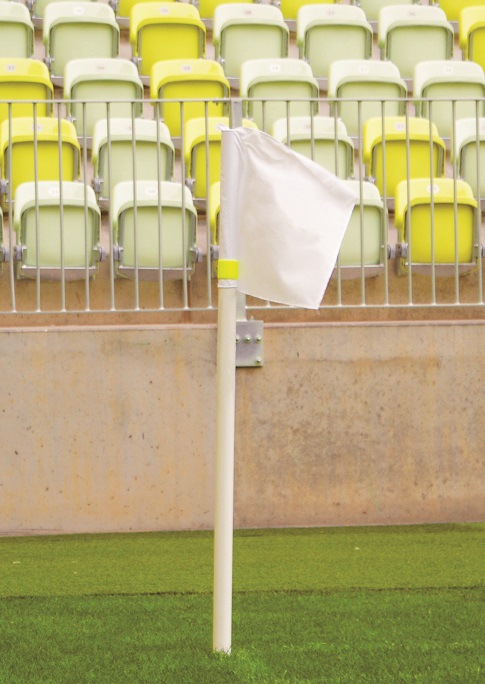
<point x="207" y="8"/>
<point x="165" y="30"/>
<point x="37" y="9"/>
<point x="469" y="152"/>
<point x="72" y="30"/>
<point x="326" y="33"/>
<point x="408" y="35"/>
<point x="122" y="9"/>
<point x="279" y="80"/>
<point x="290" y="8"/>
<point x="188" y="79"/>
<point x="147" y="147"/>
<point x="373" y="7"/>
<point x="437" y="226"/>
<point x="103" y="81"/>
<point x="363" y="86"/>
<point x="57" y="228"/>
<point x="397" y="136"/>
<point x="444" y="82"/>
<point x="245" y="31"/>
<point x="16" y="30"/>
<point x="320" y="138"/>
<point x="202" y="135"/>
<point x="364" y="245"/>
<point x="49" y="149"/>
<point x="154" y="226"/>
<point x="472" y="34"/>
<point x="22" y="81"/>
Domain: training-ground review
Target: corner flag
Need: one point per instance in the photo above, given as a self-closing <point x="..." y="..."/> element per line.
<point x="287" y="215"/>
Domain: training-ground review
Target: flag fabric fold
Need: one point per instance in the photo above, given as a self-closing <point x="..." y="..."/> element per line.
<point x="283" y="217"/>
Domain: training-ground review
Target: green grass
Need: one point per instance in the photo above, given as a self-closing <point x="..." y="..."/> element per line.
<point x="396" y="604"/>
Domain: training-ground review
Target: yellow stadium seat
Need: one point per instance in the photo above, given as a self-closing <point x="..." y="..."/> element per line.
<point x="408" y="35"/>
<point x="437" y="226"/>
<point x="453" y="8"/>
<point x="472" y="34"/>
<point x="122" y="151"/>
<point x="58" y="230"/>
<point x="154" y="227"/>
<point x="202" y="134"/>
<point x="165" y="30"/>
<point x="72" y="30"/>
<point x="329" y="32"/>
<point x="122" y="9"/>
<point x="320" y="138"/>
<point x="16" y="30"/>
<point x="455" y="89"/>
<point x="22" y="81"/>
<point x="110" y="87"/>
<point x="245" y="31"/>
<point x="469" y="152"/>
<point x="407" y="142"/>
<point x="202" y="80"/>
<point x="268" y="86"/>
<point x="48" y="150"/>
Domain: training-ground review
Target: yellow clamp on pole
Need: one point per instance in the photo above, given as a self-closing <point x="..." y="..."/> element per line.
<point x="227" y="269"/>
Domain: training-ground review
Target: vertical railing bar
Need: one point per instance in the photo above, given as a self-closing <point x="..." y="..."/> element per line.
<point x="338" y="267"/>
<point x="455" y="213"/>
<point x="409" y="229"/>
<point x="87" y="285"/>
<point x="37" y="212"/>
<point x="207" y="202"/>
<point x="61" y="214"/>
<point x="432" y="204"/>
<point x="184" y="218"/>
<point x="8" y="195"/>
<point x="159" y="210"/>
<point x="110" y="210"/>
<point x="478" y="213"/>
<point x="135" y="212"/>
<point x="385" y="233"/>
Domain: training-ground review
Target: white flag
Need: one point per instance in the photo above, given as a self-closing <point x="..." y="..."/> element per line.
<point x="283" y="217"/>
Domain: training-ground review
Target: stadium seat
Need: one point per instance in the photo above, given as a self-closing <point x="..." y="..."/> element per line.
<point x="39" y="151"/>
<point x="329" y="32"/>
<point x="408" y="35"/>
<point x="146" y="147"/>
<point x="37" y="9"/>
<point x="185" y="79"/>
<point x="73" y="30"/>
<point x="364" y="245"/>
<point x="373" y="7"/>
<point x="407" y="141"/>
<point x="245" y="31"/>
<point x="112" y="84"/>
<point x="290" y="9"/>
<point x="207" y="8"/>
<point x="122" y="10"/>
<point x="321" y="138"/>
<point x="154" y="225"/>
<point x="370" y="83"/>
<point x="453" y="8"/>
<point x="16" y="30"/>
<point x="470" y="138"/>
<point x="437" y="226"/>
<point x="278" y="80"/>
<point x="456" y="90"/>
<point x="165" y="30"/>
<point x="472" y="34"/>
<point x="201" y="135"/>
<point x="23" y="80"/>
<point x="58" y="230"/>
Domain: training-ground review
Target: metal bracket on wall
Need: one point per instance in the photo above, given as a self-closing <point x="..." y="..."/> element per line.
<point x="249" y="344"/>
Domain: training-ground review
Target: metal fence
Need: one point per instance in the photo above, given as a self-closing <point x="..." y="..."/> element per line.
<point x="134" y="224"/>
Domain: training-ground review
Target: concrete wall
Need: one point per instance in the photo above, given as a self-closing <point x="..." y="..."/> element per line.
<point x="112" y="429"/>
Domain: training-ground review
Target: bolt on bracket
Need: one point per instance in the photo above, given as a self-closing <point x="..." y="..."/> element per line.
<point x="249" y="344"/>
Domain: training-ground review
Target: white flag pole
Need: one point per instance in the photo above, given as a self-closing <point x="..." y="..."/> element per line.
<point x="226" y="401"/>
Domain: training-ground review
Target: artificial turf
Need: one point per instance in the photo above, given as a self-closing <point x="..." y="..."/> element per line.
<point x="395" y="604"/>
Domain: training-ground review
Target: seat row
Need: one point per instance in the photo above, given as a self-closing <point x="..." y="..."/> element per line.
<point x="241" y="31"/>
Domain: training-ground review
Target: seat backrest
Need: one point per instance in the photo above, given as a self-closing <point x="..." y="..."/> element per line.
<point x="455" y="90"/>
<point x="141" y="148"/>
<point x="408" y="35"/>
<point x="329" y="32"/>
<point x="245" y="31"/>
<point x="182" y="79"/>
<point x="58" y="229"/>
<point x="472" y="34"/>
<point x="469" y="152"/>
<point x="320" y="138"/>
<point x="151" y="230"/>
<point x="47" y="151"/>
<point x="453" y="8"/>
<point x="22" y="81"/>
<point x="16" y="30"/>
<point x="268" y="87"/>
<point x="396" y="144"/>
<point x="98" y="82"/>
<point x="38" y="7"/>
<point x="436" y="221"/>
<point x="367" y="88"/>
<point x="72" y="30"/>
<point x="373" y="7"/>
<point x="290" y="8"/>
<point x="123" y="9"/>
<point x="165" y="30"/>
